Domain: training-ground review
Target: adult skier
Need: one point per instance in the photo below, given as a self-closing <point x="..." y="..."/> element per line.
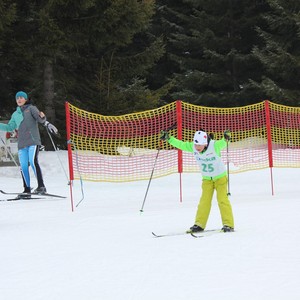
<point x="25" y="119"/>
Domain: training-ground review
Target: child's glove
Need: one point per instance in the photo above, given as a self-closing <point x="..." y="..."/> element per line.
<point x="227" y="135"/>
<point x="164" y="135"/>
<point x="51" y="128"/>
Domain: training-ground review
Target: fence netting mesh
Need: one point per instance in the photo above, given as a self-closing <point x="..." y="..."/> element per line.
<point x="125" y="148"/>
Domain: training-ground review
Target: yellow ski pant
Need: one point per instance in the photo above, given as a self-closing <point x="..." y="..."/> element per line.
<point x="208" y="187"/>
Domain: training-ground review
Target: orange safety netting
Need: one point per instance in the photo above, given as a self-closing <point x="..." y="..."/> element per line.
<point x="128" y="148"/>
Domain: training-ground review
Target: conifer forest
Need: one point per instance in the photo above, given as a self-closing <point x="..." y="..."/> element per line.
<point x="115" y="57"/>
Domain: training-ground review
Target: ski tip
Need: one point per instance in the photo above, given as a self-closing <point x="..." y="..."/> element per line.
<point x="155" y="235"/>
<point x="195" y="235"/>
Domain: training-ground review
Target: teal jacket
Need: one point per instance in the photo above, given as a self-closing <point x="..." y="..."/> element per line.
<point x="25" y="119"/>
<point x="189" y="147"/>
<point x="14" y="122"/>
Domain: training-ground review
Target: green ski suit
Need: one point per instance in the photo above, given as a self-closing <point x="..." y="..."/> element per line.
<point x="214" y="177"/>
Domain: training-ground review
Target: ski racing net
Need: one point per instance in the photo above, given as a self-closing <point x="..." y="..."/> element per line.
<point x="128" y="147"/>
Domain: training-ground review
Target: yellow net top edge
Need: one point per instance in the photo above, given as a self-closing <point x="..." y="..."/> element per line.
<point x="167" y="107"/>
<point x="171" y="105"/>
<point x="225" y="108"/>
<point x="273" y="104"/>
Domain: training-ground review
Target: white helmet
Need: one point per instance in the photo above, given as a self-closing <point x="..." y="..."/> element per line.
<point x="200" y="138"/>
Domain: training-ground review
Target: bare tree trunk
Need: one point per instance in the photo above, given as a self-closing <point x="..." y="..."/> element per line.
<point x="49" y="92"/>
<point x="49" y="99"/>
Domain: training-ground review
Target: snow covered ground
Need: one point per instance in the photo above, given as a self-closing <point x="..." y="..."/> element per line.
<point x="104" y="250"/>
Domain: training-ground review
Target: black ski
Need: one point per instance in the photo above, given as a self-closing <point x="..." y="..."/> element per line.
<point x="194" y="234"/>
<point x="18" y="199"/>
<point x="33" y="194"/>
<point x="49" y="195"/>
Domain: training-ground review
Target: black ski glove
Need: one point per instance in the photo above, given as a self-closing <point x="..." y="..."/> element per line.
<point x="164" y="135"/>
<point x="227" y="135"/>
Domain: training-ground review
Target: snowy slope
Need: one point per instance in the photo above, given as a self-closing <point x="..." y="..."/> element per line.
<point x="105" y="251"/>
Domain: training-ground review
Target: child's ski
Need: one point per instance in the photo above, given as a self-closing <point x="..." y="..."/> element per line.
<point x="169" y="234"/>
<point x="194" y="234"/>
<point x="205" y="233"/>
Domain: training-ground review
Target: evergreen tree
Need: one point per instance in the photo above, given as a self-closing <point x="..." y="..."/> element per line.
<point x="120" y="59"/>
<point x="7" y="12"/>
<point x="95" y="54"/>
<point x="169" y="19"/>
<point x="210" y="50"/>
<point x="100" y="48"/>
<point x="280" y="54"/>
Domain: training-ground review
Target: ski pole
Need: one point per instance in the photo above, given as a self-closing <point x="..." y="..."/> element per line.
<point x="9" y="152"/>
<point x="56" y="151"/>
<point x="227" y="151"/>
<point x="142" y="208"/>
<point x="159" y="147"/>
<point x="12" y="157"/>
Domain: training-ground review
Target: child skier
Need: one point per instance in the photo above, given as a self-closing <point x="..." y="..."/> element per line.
<point x="207" y="153"/>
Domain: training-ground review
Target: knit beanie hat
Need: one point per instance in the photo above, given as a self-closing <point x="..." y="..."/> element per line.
<point x="21" y="94"/>
<point x="200" y="138"/>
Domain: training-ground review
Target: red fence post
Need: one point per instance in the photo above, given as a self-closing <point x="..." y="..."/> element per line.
<point x="269" y="138"/>
<point x="179" y="132"/>
<point x="179" y="136"/>
<point x="71" y="171"/>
